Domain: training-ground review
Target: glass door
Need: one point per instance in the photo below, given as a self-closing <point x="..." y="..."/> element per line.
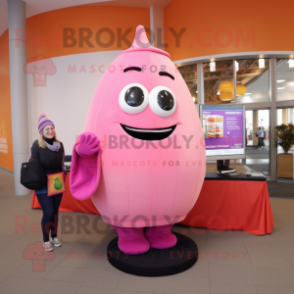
<point x="257" y="140"/>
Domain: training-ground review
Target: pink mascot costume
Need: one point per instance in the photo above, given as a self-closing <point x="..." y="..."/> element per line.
<point x="149" y="171"/>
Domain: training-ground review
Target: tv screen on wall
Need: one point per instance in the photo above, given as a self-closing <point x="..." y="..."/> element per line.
<point x="224" y="131"/>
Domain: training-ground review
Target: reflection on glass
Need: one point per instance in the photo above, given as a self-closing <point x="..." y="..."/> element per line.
<point x="285" y="116"/>
<point x="252" y="81"/>
<point x="218" y="82"/>
<point x="285" y="79"/>
<point x="189" y="74"/>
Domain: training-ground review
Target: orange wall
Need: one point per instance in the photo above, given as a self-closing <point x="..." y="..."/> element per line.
<point x="6" y="159"/>
<point x="48" y="27"/>
<point x="93" y="18"/>
<point x="217" y="27"/>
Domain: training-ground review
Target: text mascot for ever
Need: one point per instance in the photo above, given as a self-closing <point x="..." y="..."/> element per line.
<point x="143" y="112"/>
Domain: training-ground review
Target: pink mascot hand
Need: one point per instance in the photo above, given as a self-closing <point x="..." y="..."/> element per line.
<point x="85" y="166"/>
<point x="88" y="145"/>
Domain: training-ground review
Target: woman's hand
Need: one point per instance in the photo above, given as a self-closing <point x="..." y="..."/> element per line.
<point x="88" y="145"/>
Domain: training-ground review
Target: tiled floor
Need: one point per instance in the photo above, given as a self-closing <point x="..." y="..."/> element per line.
<point x="230" y="262"/>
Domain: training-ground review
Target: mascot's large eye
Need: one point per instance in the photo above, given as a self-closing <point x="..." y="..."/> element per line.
<point x="162" y="101"/>
<point x="133" y="98"/>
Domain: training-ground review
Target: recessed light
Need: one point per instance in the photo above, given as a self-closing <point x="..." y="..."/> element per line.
<point x="261" y="63"/>
<point x="280" y="81"/>
<point x="212" y="66"/>
<point x="218" y="93"/>
<point x="248" y="94"/>
<point x="281" y="88"/>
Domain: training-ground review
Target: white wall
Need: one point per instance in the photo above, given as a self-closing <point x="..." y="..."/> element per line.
<point x="66" y="97"/>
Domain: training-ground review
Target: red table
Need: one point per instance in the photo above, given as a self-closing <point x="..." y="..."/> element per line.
<point x="223" y="204"/>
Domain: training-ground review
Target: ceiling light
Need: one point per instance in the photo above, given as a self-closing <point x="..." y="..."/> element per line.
<point x="212" y="66"/>
<point x="194" y="99"/>
<point x="281" y="88"/>
<point x="280" y="81"/>
<point x="291" y="63"/>
<point x="196" y="91"/>
<point x="261" y="63"/>
<point x="247" y="93"/>
<point x="218" y="93"/>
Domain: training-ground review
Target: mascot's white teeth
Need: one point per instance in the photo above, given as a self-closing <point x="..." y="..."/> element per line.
<point x="149" y="134"/>
<point x="149" y="130"/>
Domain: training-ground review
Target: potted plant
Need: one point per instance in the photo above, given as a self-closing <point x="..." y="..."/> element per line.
<point x="285" y="139"/>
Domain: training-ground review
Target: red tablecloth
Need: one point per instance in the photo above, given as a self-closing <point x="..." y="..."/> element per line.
<point x="233" y="205"/>
<point x="222" y="205"/>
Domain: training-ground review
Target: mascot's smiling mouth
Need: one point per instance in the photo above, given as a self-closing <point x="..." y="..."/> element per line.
<point x="149" y="134"/>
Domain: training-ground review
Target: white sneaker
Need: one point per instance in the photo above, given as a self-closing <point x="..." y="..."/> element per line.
<point x="47" y="246"/>
<point x="56" y="242"/>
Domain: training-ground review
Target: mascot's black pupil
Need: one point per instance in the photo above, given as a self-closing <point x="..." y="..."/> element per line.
<point x="165" y="100"/>
<point x="134" y="96"/>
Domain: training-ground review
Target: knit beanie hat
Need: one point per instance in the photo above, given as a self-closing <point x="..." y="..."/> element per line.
<point x="43" y="122"/>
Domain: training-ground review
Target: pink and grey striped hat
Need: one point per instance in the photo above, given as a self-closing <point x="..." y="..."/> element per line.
<point x="43" y="122"/>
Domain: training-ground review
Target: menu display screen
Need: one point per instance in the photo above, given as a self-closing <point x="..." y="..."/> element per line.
<point x="223" y="128"/>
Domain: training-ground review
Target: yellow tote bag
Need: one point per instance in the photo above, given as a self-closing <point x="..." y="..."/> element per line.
<point x="55" y="184"/>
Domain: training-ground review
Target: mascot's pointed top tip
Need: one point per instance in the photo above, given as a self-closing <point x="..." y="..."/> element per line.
<point x="141" y="39"/>
<point x="141" y="43"/>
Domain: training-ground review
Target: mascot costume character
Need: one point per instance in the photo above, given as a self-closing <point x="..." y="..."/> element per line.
<point x="149" y="171"/>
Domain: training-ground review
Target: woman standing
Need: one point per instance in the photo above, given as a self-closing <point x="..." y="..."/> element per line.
<point x="50" y="152"/>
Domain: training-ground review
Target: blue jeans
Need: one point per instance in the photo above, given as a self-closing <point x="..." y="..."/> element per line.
<point x="50" y="206"/>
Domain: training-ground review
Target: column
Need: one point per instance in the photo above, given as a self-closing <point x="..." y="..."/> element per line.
<point x="254" y="127"/>
<point x="273" y="118"/>
<point x="200" y="84"/>
<point x="18" y="89"/>
<point x="157" y="27"/>
<point x="285" y="120"/>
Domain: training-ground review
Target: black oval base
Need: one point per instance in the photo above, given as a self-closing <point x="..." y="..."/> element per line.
<point x="156" y="262"/>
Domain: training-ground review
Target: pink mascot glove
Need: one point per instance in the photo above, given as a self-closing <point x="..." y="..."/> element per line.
<point x="88" y="145"/>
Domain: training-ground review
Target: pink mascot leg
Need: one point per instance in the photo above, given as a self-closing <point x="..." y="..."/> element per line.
<point x="161" y="237"/>
<point x="132" y="240"/>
